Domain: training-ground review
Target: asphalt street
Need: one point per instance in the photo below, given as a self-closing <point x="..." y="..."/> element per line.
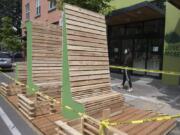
<point x="5" y="79"/>
<point x="3" y="128"/>
<point x="11" y="123"/>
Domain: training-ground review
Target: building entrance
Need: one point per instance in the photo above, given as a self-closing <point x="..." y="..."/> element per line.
<point x="144" y="39"/>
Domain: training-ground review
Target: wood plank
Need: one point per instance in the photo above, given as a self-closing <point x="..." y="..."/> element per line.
<point x="67" y="129"/>
<point x="84" y="29"/>
<point x="89" y="49"/>
<point x="88" y="63"/>
<point x="86" y="53"/>
<point x="83" y="20"/>
<point x="84" y="11"/>
<point x="87" y="39"/>
<point x="85" y="25"/>
<point x="85" y="44"/>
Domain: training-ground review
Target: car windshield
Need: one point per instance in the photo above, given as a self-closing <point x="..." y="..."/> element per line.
<point x="4" y="55"/>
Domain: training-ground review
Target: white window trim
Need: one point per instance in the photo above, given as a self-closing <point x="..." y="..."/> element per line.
<point x="38" y="8"/>
<point x="53" y="7"/>
<point x="27" y="11"/>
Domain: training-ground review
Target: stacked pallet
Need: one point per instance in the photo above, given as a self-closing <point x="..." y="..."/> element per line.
<point x="9" y="89"/>
<point x="88" y="60"/>
<point x="21" y="73"/>
<point x="26" y="106"/>
<point x="4" y="89"/>
<point x="46" y="56"/>
<point x="15" y="87"/>
<point x="33" y="106"/>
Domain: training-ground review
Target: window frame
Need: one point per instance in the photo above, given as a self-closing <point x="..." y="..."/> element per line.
<point x="38" y="8"/>
<point x="52" y="5"/>
<point x="27" y="7"/>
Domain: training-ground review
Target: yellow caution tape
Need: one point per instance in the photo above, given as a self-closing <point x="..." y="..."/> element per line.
<point x="146" y="70"/>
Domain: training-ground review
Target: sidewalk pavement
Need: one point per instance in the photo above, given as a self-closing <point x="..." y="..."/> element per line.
<point x="151" y="94"/>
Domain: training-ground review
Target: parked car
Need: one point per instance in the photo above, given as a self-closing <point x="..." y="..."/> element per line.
<point x="17" y="57"/>
<point x="5" y="60"/>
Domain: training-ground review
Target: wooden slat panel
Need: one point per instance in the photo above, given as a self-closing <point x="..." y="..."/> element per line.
<point x="82" y="13"/>
<point x="83" y="29"/>
<point x="83" y="20"/>
<point x="46" y="53"/>
<point x="86" y="53"/>
<point x="86" y="39"/>
<point x="83" y="26"/>
<point x="88" y="60"/>
<point x="89" y="49"/>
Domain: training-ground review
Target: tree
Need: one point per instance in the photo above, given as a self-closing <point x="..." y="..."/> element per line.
<point x="8" y="36"/>
<point x="101" y="6"/>
<point x="11" y="8"/>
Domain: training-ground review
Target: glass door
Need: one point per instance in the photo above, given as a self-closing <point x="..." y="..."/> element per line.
<point x="154" y="56"/>
<point x="140" y="49"/>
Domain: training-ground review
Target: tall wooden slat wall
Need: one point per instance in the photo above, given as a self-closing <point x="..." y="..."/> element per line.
<point x="87" y="52"/>
<point x="46" y="54"/>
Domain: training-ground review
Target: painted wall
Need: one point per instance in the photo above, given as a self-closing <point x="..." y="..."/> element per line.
<point x="172" y="44"/>
<point x="117" y="4"/>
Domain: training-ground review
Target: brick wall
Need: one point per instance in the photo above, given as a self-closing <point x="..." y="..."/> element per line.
<point x="45" y="16"/>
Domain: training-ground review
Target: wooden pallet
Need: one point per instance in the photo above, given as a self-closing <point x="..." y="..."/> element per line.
<point x="4" y="89"/>
<point x="44" y="123"/>
<point x="9" y="89"/>
<point x="33" y="106"/>
<point x="26" y="106"/>
<point x="85" y="126"/>
<point x="65" y="129"/>
<point x="88" y="60"/>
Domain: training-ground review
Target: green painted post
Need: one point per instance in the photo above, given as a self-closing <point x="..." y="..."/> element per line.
<point x="31" y="89"/>
<point x="66" y="95"/>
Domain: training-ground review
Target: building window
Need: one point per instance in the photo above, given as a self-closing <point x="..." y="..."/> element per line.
<point x="27" y="11"/>
<point x="52" y="5"/>
<point x="38" y="8"/>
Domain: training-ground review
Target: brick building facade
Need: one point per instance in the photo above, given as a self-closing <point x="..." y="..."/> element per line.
<point x="40" y="10"/>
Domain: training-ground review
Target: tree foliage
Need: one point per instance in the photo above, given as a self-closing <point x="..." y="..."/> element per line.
<point x="101" y="6"/>
<point x="8" y="36"/>
<point x="12" y="9"/>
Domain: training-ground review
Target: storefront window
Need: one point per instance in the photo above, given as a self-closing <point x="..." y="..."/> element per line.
<point x="145" y="39"/>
